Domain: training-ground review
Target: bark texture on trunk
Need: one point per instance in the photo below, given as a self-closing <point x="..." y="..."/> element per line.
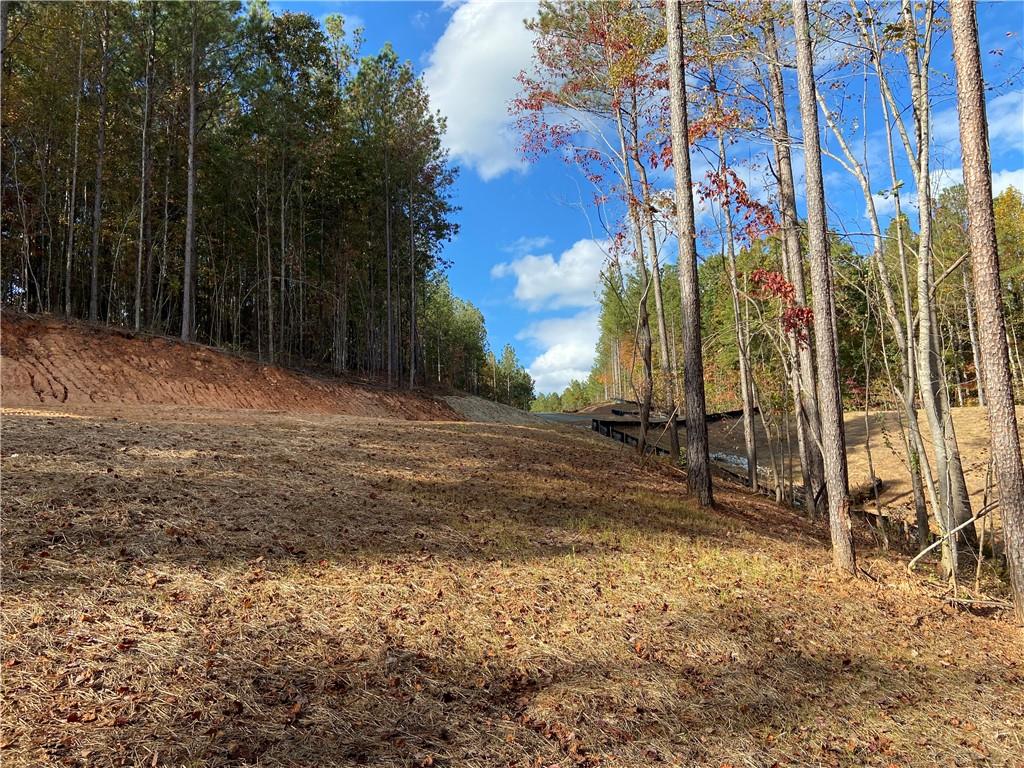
<point x="190" y="194"/>
<point x="643" y="319"/>
<point x="698" y="469"/>
<point x="829" y="397"/>
<point x="981" y="234"/>
<point x="68" y="261"/>
<point x="144" y="177"/>
<point x="659" y="304"/>
<point x="97" y="203"/>
<point x="806" y="396"/>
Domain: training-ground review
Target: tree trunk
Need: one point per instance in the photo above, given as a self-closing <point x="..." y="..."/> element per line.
<point x="808" y="421"/>
<point x="917" y="459"/>
<point x="74" y="176"/>
<point x="643" y="316"/>
<point x="981" y="232"/>
<point x="190" y="210"/>
<point x="412" y="292"/>
<point x="144" y="174"/>
<point x="387" y="248"/>
<point x="3" y="30"/>
<point x="646" y="207"/>
<point x="973" y="333"/>
<point x="698" y="469"/>
<point x="829" y="396"/>
<point x="280" y="291"/>
<point x="97" y="203"/>
<point x="270" y="267"/>
<point x="955" y="505"/>
<point x="746" y="382"/>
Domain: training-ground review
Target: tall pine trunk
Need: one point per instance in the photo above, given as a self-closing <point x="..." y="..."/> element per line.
<point x="69" y="254"/>
<point x="387" y="248"/>
<point x="144" y="175"/>
<point x="981" y="233"/>
<point x="187" y="298"/>
<point x="97" y="203"/>
<point x="829" y="396"/>
<point x="412" y="291"/>
<point x="698" y="464"/>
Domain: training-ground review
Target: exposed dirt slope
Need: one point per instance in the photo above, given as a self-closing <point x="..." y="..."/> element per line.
<point x="479" y="409"/>
<point x="48" y="362"/>
<point x="222" y="588"/>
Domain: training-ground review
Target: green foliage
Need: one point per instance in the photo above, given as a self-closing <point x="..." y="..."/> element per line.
<point x="323" y="192"/>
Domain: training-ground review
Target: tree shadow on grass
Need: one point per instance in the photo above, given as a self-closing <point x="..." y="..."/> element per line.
<point x="333" y="593"/>
<point x="197" y="495"/>
<point x="697" y="693"/>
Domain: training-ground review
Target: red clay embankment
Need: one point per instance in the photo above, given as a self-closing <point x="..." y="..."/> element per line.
<point x="46" y="361"/>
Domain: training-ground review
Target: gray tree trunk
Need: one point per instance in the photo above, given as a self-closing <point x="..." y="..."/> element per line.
<point x="955" y="505"/>
<point x="973" y="333"/>
<point x="190" y="193"/>
<point x="746" y="380"/>
<point x="643" y="315"/>
<point x="144" y="176"/>
<point x="412" y="293"/>
<point x="829" y="396"/>
<point x="74" y="175"/>
<point x="698" y="464"/>
<point x="97" y="203"/>
<point x="647" y="207"/>
<point x="981" y="233"/>
<point x="387" y="245"/>
<point x="806" y="397"/>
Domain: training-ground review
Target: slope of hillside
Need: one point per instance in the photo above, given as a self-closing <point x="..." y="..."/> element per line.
<point x="478" y="409"/>
<point x="49" y="362"/>
<point x="337" y="591"/>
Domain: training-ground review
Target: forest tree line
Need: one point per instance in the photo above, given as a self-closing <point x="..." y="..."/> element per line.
<point x="866" y="354"/>
<point x="236" y="177"/>
<point x="789" y="315"/>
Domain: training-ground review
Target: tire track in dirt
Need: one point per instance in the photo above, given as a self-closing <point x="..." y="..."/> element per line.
<point x="50" y="362"/>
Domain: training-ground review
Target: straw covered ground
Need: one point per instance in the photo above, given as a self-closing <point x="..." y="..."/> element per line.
<point x="189" y="587"/>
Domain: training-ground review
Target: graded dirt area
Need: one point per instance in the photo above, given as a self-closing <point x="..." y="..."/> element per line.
<point x="48" y="362"/>
<point x="888" y="459"/>
<point x="193" y="587"/>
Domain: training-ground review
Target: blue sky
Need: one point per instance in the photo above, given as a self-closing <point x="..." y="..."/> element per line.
<point x="529" y="250"/>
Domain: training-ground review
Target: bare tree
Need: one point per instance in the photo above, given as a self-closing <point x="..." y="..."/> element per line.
<point x="742" y="330"/>
<point x="643" y="320"/>
<point x="829" y="397"/>
<point x="698" y="469"/>
<point x="981" y="234"/>
<point x="803" y="380"/>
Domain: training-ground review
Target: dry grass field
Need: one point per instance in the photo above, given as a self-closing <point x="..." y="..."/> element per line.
<point x="186" y="587"/>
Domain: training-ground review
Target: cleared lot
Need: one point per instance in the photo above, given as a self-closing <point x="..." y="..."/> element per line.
<point x="187" y="587"/>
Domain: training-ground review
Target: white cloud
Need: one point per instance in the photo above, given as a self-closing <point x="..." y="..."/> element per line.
<point x="543" y="282"/>
<point x="1006" y="121"/>
<point x="569" y="345"/>
<point x="1002" y="180"/>
<point x="1005" y="114"/>
<point x="471" y="79"/>
<point x="524" y="245"/>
